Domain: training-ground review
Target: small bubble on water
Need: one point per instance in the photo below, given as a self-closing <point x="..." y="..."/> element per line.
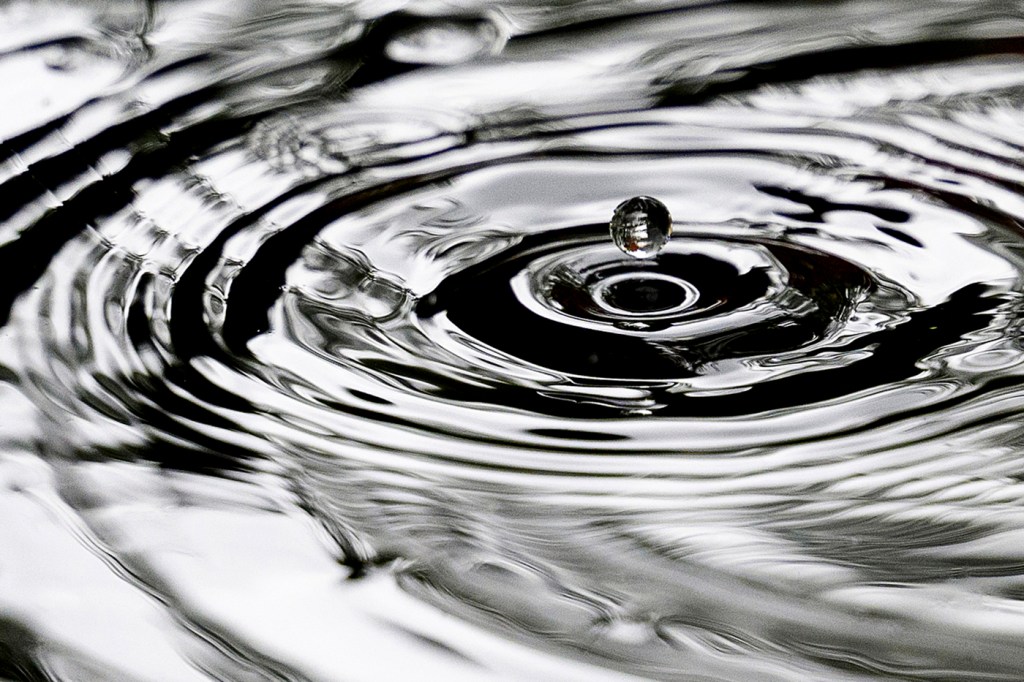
<point x="641" y="227"/>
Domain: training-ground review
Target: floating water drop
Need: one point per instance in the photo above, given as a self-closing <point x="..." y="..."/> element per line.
<point x="641" y="227"/>
<point x="446" y="40"/>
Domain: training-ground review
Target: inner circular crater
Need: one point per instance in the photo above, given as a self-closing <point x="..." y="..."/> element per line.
<point x="595" y="287"/>
<point x="643" y="293"/>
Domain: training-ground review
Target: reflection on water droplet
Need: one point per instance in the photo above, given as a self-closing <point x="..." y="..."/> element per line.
<point x="446" y="41"/>
<point x="58" y="58"/>
<point x="641" y="227"/>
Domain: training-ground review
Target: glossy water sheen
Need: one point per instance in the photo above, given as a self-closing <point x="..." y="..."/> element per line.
<point x="317" y="361"/>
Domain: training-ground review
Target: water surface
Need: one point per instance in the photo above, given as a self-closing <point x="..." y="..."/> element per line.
<point x="317" y="361"/>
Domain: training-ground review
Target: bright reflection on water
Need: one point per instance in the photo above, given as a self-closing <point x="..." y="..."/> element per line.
<point x="318" y="362"/>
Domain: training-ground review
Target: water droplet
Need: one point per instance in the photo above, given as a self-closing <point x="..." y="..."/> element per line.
<point x="641" y="227"/>
<point x="446" y="41"/>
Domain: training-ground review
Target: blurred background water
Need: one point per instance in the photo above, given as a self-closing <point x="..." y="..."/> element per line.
<point x="317" y="361"/>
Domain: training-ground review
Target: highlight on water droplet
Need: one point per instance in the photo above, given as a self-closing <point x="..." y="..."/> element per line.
<point x="451" y="40"/>
<point x="641" y="227"/>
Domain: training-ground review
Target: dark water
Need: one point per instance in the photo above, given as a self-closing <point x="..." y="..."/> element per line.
<point x="317" y="361"/>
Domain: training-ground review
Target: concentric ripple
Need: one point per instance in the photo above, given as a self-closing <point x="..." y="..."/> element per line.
<point x="324" y="365"/>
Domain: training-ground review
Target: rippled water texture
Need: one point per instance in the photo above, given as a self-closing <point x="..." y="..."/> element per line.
<point x="318" y="362"/>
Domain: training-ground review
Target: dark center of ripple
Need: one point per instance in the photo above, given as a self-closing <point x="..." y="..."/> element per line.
<point x="644" y="294"/>
<point x="570" y="302"/>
